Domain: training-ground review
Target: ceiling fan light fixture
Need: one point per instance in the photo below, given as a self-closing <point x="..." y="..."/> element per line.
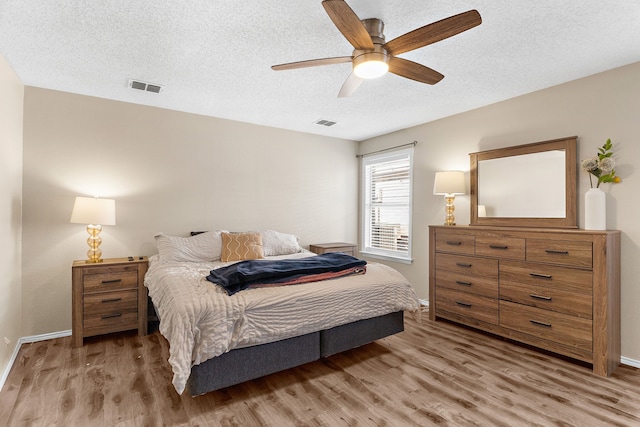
<point x="371" y="65"/>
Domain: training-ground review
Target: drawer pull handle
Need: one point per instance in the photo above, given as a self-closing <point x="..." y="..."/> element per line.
<point x="540" y="297"/>
<point x="111" y="300"/>
<point x="460" y="282"/>
<point x="109" y="316"/>
<point x="499" y="246"/>
<point x="454" y="243"/>
<point x="537" y="322"/>
<point x="463" y="304"/>
<point x="541" y="276"/>
<point x="555" y="252"/>
<point x="463" y="264"/>
<point x="104" y="282"/>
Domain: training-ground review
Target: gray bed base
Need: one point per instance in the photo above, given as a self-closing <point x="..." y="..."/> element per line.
<point x="249" y="363"/>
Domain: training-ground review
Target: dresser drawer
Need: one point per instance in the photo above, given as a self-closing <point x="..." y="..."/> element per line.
<point x="467" y="266"/>
<point x="548" y="325"/>
<point x="110" y="312"/>
<point x="455" y="243"/>
<point x="486" y="286"/>
<point x="560" y="289"/>
<point x="561" y="252"/>
<point x="110" y="279"/>
<point x="467" y="304"/>
<point x="501" y="247"/>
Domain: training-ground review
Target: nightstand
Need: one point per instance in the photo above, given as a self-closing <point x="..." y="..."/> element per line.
<point x="323" y="248"/>
<point x="109" y="296"/>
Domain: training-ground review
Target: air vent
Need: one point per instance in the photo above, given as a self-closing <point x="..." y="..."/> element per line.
<point x="324" y="122"/>
<point x="147" y="87"/>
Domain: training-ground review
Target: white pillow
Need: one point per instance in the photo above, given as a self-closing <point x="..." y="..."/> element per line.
<point x="276" y="243"/>
<point x="199" y="248"/>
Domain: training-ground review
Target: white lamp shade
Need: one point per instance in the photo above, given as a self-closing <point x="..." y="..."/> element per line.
<point x="449" y="182"/>
<point x="482" y="211"/>
<point x="89" y="210"/>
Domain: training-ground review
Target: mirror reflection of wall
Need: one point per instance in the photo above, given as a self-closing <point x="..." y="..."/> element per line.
<point x="528" y="185"/>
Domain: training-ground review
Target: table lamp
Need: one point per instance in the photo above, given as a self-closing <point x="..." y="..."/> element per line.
<point x="449" y="184"/>
<point x="95" y="213"/>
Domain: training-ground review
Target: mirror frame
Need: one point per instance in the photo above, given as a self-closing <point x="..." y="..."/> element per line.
<point x="569" y="145"/>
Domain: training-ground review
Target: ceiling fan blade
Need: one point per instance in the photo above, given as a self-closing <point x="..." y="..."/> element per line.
<point x="348" y="23"/>
<point x="349" y="86"/>
<point x="434" y="32"/>
<point x="312" y="63"/>
<point x="414" y="71"/>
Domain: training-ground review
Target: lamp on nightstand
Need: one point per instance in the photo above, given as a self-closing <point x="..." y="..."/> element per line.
<point x="95" y="213"/>
<point x="449" y="184"/>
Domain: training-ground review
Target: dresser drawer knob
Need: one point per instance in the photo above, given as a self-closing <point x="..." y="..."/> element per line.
<point x="539" y="323"/>
<point x="109" y="316"/>
<point x="540" y="297"/>
<point x="463" y="264"/>
<point x="450" y="242"/>
<point x="111" y="300"/>
<point x="499" y="247"/>
<point x="460" y="282"/>
<point x="540" y="276"/>
<point x="556" y="252"/>
<point x="104" y="282"/>
<point x="463" y="304"/>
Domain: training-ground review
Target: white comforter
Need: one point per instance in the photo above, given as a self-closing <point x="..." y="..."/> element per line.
<point x="201" y="321"/>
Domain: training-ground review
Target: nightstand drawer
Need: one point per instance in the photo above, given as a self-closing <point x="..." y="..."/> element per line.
<point x="117" y="278"/>
<point x="110" y="311"/>
<point x="323" y="248"/>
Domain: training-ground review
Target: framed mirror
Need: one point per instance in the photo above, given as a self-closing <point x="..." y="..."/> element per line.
<point x="532" y="185"/>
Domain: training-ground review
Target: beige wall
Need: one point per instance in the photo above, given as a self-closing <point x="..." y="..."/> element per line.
<point x="12" y="91"/>
<point x="168" y="171"/>
<point x="595" y="108"/>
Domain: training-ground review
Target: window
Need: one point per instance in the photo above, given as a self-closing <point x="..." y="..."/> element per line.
<point x="386" y="215"/>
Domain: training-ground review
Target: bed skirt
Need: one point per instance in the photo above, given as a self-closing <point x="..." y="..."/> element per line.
<point x="249" y="363"/>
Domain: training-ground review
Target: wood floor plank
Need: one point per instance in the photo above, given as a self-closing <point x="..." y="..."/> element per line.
<point x="433" y="374"/>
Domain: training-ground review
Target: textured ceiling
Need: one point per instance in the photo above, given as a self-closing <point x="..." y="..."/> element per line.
<point x="214" y="57"/>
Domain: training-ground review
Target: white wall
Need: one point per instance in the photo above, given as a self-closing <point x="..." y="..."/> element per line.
<point x="595" y="108"/>
<point x="11" y="100"/>
<point x="168" y="171"/>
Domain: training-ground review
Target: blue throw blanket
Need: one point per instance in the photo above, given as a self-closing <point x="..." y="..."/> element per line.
<point x="236" y="277"/>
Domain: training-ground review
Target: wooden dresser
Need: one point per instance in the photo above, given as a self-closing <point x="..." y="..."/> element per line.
<point x="108" y="297"/>
<point x="556" y="289"/>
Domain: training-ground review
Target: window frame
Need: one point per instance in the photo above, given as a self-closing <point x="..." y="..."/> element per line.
<point x="365" y="215"/>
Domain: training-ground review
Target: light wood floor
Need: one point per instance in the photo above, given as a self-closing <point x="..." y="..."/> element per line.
<point x="431" y="374"/>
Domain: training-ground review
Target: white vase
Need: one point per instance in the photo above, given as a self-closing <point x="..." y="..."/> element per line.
<point x="595" y="210"/>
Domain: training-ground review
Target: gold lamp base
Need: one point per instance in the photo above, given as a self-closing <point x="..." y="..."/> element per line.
<point x="449" y="219"/>
<point x="94" y="253"/>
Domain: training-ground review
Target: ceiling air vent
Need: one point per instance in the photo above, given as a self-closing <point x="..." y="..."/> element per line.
<point x="147" y="87"/>
<point x="324" y="122"/>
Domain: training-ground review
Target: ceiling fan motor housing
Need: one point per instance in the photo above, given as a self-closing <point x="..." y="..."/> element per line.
<point x="370" y="64"/>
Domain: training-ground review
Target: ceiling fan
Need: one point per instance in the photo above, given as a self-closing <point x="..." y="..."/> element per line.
<point x="372" y="57"/>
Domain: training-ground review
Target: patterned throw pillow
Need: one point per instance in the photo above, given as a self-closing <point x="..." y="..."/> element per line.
<point x="241" y="246"/>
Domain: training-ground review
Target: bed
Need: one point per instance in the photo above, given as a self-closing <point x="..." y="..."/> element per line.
<point x="217" y="340"/>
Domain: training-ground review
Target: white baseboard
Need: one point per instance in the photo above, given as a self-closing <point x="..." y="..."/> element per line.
<point x="26" y="340"/>
<point x="630" y="362"/>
